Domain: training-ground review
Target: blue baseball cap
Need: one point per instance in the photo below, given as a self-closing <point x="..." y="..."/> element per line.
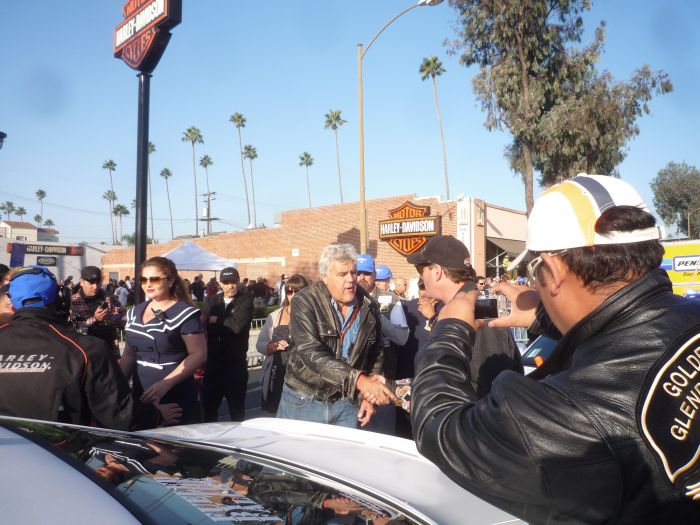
<point x="365" y="263"/>
<point x="32" y="287"/>
<point x="383" y="272"/>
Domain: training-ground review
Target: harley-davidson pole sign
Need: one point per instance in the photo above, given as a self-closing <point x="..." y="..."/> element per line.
<point x="140" y="40"/>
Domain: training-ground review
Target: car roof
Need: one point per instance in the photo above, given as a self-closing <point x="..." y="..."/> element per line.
<point x="389" y="468"/>
<point x="38" y="487"/>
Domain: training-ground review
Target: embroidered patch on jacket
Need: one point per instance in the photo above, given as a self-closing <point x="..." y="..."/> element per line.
<point x="670" y="413"/>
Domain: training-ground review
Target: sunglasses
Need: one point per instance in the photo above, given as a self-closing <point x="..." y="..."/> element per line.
<point x="535" y="263"/>
<point x="421" y="286"/>
<point x="156" y="279"/>
<point x="291" y="291"/>
<point x="422" y="266"/>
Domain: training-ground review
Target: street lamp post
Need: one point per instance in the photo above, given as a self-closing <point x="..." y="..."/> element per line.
<point x="690" y="212"/>
<point x="360" y="55"/>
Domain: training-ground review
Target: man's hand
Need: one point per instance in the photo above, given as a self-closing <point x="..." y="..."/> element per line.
<point x="374" y="389"/>
<point x="213" y="319"/>
<point x="156" y="392"/>
<point x="427" y="307"/>
<point x="170" y="412"/>
<point x="101" y="313"/>
<point x="365" y="413"/>
<point x="342" y="506"/>
<point x="523" y="305"/>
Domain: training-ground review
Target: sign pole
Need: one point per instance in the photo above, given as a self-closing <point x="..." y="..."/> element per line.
<point x="141" y="181"/>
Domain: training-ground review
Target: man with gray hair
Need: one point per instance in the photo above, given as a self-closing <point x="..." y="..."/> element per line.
<point x="338" y="349"/>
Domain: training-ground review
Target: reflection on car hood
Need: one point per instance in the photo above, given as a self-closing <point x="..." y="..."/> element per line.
<point x="388" y="467"/>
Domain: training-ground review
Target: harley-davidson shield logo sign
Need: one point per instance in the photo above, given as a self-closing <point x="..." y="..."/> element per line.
<point x="409" y="228"/>
<point x="143" y="35"/>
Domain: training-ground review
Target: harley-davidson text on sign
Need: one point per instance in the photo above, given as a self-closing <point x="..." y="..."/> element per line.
<point x="143" y="35"/>
<point x="49" y="249"/>
<point x="409" y="228"/>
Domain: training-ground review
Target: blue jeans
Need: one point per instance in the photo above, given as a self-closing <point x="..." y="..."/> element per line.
<point x="293" y="405"/>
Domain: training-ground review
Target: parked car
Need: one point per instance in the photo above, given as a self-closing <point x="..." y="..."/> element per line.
<point x="537" y="353"/>
<point x="260" y="471"/>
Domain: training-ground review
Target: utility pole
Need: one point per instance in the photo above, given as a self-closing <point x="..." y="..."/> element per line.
<point x="210" y="197"/>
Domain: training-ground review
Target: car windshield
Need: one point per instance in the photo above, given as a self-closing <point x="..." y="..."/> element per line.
<point x="170" y="482"/>
<point x="538" y="351"/>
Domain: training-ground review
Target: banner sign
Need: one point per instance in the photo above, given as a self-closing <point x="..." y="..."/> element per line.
<point x="45" y="249"/>
<point x="409" y="228"/>
<point x="142" y="37"/>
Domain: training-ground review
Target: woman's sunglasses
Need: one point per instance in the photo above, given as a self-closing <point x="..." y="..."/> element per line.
<point x="156" y="279"/>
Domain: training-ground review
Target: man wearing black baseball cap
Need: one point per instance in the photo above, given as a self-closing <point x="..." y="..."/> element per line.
<point x="443" y="264"/>
<point x="49" y="372"/>
<point x="228" y="327"/>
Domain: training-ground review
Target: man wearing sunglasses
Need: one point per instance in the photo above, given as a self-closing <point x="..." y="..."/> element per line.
<point x="94" y="312"/>
<point x="606" y="431"/>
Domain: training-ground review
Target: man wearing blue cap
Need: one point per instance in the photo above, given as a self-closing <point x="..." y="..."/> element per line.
<point x="49" y="372"/>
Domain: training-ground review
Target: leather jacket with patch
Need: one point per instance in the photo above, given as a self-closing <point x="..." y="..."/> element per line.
<point x="572" y="447"/>
<point x="316" y="367"/>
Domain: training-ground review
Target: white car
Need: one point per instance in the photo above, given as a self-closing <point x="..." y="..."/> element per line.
<point x="260" y="471"/>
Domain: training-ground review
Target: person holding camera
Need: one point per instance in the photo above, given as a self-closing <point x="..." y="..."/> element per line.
<point x="275" y="344"/>
<point x="443" y="264"/>
<point x="96" y="313"/>
<point x="52" y="373"/>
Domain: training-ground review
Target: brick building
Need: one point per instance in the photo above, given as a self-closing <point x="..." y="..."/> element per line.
<point x="294" y="245"/>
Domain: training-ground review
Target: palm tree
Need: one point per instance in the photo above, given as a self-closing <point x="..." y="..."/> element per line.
<point x="120" y="210"/>
<point x="111" y="166"/>
<point x="333" y="121"/>
<point x="151" y="149"/>
<point x="250" y="153"/>
<point x="40" y="194"/>
<point x="205" y="162"/>
<point x="194" y="136"/>
<point x="239" y="121"/>
<point x="432" y="67"/>
<point x="110" y="197"/>
<point x="20" y="212"/>
<point x="166" y="174"/>
<point x="49" y="223"/>
<point x="8" y="207"/>
<point x="37" y="220"/>
<point x="305" y="159"/>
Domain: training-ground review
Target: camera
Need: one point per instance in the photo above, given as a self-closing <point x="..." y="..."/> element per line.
<point x="104" y="305"/>
<point x="491" y="307"/>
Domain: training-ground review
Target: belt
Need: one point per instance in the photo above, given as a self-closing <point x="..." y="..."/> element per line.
<point x="159" y="366"/>
<point x="337" y="396"/>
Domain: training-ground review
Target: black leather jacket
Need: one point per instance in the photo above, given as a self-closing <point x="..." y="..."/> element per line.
<point x="227" y="338"/>
<point x="316" y="367"/>
<point x="568" y="448"/>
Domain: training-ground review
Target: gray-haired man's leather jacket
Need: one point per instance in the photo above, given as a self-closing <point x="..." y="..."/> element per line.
<point x="316" y="367"/>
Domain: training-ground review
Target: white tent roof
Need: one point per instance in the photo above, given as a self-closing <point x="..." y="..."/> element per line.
<point x="191" y="256"/>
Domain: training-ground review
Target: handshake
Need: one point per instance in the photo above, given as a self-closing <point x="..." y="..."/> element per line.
<point x="375" y="390"/>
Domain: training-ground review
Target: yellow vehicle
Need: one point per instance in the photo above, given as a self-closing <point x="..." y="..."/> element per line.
<point x="682" y="262"/>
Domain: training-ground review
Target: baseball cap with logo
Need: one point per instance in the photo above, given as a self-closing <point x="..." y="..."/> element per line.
<point x="91" y="273"/>
<point x="444" y="250"/>
<point x="33" y="287"/>
<point x="565" y="215"/>
<point x="229" y="274"/>
<point x="383" y="272"/>
<point x="365" y="263"/>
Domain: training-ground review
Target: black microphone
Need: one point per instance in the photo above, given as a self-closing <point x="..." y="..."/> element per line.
<point x="159" y="314"/>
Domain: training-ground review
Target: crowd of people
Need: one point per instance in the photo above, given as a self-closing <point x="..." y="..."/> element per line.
<point x="604" y="431"/>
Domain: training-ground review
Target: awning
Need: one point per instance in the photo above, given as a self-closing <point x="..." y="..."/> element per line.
<point x="511" y="246"/>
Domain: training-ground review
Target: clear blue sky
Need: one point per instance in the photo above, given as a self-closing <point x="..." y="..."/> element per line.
<point x="68" y="105"/>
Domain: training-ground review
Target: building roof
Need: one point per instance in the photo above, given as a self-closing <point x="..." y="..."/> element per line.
<point x="20" y="224"/>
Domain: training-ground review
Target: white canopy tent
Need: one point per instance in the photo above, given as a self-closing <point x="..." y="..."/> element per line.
<point x="191" y="256"/>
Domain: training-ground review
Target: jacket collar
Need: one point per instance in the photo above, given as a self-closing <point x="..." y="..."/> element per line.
<point x="615" y="308"/>
<point x="38" y="314"/>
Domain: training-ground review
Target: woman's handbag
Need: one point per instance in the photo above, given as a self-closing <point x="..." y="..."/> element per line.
<point x="273" y="373"/>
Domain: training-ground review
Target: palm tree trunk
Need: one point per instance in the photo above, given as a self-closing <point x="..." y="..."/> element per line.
<point x="442" y="138"/>
<point x="121" y="229"/>
<point x="111" y="209"/>
<point x="245" y="184"/>
<point x="337" y="159"/>
<point x="206" y="170"/>
<point x="196" y="191"/>
<point x="167" y="190"/>
<point x="111" y="219"/>
<point x="308" y="188"/>
<point x="252" y="188"/>
<point x="41" y="201"/>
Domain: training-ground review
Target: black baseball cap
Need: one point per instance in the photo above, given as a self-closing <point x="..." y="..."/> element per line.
<point x="229" y="274"/>
<point x="444" y="250"/>
<point x="91" y="273"/>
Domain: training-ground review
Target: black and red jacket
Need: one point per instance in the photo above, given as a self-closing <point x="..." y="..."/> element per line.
<point x="50" y="372"/>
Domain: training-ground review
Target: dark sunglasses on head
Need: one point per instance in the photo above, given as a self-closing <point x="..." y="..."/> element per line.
<point x="156" y="279"/>
<point x="292" y="291"/>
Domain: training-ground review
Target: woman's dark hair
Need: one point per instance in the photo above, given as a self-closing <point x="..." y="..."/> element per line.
<point x="293" y="284"/>
<point x="600" y="265"/>
<point x="178" y="288"/>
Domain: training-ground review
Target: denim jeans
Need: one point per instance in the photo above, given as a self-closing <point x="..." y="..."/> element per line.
<point x="293" y="405"/>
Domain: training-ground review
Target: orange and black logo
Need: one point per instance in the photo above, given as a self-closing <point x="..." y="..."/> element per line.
<point x="409" y="228"/>
<point x="144" y="34"/>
